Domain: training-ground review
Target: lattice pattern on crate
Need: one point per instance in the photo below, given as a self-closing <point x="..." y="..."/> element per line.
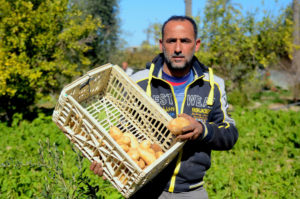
<point x="120" y="99"/>
<point x="134" y="108"/>
<point x="104" y="98"/>
<point x="88" y="140"/>
<point x="90" y="89"/>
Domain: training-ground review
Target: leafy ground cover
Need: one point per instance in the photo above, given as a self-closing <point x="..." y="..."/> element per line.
<point x="38" y="161"/>
<point x="265" y="162"/>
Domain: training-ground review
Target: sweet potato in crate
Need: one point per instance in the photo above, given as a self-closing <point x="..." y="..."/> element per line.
<point x="105" y="97"/>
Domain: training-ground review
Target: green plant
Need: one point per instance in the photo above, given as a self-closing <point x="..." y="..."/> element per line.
<point x="38" y="161"/>
<point x="264" y="160"/>
<point x="43" y="45"/>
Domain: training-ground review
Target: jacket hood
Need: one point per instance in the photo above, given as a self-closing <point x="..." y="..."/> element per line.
<point x="198" y="67"/>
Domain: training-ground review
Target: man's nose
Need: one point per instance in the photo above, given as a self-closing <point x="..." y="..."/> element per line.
<point x="178" y="47"/>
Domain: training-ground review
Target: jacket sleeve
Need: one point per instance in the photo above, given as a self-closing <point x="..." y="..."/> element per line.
<point x="220" y="132"/>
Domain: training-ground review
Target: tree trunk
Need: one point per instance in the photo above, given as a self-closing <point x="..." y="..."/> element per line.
<point x="188" y="7"/>
<point x="296" y="53"/>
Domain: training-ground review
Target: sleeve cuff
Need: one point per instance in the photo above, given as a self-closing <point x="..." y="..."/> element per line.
<point x="204" y="133"/>
<point x="207" y="132"/>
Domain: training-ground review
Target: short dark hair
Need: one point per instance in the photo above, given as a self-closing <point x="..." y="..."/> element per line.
<point x="180" y="18"/>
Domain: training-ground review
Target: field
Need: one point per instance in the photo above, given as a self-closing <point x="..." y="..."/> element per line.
<point x="37" y="161"/>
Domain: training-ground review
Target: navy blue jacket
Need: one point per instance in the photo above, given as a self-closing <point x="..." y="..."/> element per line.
<point x="186" y="172"/>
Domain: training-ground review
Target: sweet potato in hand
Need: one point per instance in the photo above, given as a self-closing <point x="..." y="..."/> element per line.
<point x="176" y="125"/>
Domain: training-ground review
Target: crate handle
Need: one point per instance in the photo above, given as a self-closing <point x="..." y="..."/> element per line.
<point x="86" y="83"/>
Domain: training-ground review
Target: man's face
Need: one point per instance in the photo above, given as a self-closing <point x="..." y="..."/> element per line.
<point x="124" y="65"/>
<point x="179" y="44"/>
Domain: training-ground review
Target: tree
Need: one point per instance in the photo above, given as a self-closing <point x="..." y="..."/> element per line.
<point x="225" y="44"/>
<point x="106" y="42"/>
<point x="236" y="45"/>
<point x="188" y="7"/>
<point x="138" y="57"/>
<point x="153" y="33"/>
<point x="42" y="46"/>
<point x="296" y="50"/>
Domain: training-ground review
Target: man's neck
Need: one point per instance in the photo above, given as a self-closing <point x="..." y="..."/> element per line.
<point x="176" y="73"/>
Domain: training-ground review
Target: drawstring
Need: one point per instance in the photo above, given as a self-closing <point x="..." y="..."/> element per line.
<point x="148" y="89"/>
<point x="210" y="100"/>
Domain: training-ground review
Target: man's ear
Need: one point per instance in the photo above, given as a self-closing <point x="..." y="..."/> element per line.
<point x="161" y="45"/>
<point x="198" y="44"/>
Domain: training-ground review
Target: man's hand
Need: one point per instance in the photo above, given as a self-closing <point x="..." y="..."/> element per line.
<point x="191" y="132"/>
<point x="97" y="169"/>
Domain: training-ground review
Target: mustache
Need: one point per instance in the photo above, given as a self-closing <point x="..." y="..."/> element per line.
<point x="177" y="55"/>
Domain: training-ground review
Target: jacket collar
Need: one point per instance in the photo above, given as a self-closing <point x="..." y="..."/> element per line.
<point x="198" y="67"/>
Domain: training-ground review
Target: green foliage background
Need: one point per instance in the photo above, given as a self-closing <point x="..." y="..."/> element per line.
<point x="104" y="46"/>
<point x="37" y="160"/>
<point x="236" y="45"/>
<point x="47" y="43"/>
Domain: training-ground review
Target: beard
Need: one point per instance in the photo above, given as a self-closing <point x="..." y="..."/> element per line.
<point x="177" y="66"/>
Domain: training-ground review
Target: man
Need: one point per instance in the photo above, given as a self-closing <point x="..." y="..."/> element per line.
<point x="183" y="87"/>
<point x="127" y="70"/>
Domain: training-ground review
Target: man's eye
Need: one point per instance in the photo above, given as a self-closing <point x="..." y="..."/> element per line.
<point x="185" y="40"/>
<point x="171" y="40"/>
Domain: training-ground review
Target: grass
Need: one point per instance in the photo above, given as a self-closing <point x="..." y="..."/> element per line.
<point x="38" y="161"/>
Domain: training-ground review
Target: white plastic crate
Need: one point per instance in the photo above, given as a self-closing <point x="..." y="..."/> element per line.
<point x="106" y="97"/>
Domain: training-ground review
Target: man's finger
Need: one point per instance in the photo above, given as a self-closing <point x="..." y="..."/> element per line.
<point x="100" y="171"/>
<point x="185" y="136"/>
<point x="188" y="128"/>
<point x="97" y="169"/>
<point x="195" y="136"/>
<point x="93" y="165"/>
<point x="185" y="115"/>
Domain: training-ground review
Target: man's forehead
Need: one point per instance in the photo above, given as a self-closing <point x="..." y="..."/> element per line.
<point x="179" y="22"/>
<point x="182" y="27"/>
